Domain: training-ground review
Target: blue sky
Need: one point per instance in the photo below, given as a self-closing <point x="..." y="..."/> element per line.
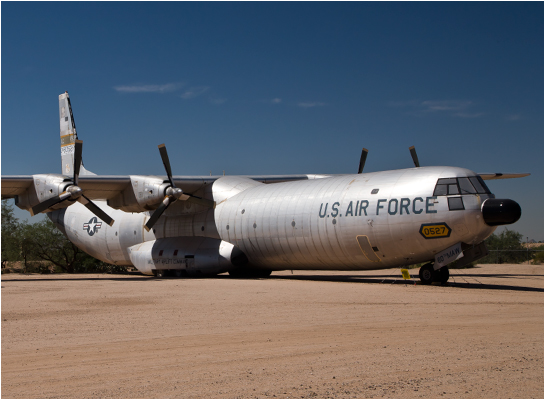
<point x="279" y="88"/>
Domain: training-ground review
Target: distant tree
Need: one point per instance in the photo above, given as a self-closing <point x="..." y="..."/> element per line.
<point x="43" y="241"/>
<point x="11" y="238"/>
<point x="505" y="248"/>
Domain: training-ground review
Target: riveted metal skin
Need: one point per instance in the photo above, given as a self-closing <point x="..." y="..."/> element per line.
<point x="43" y="187"/>
<point x="313" y="224"/>
<point x="192" y="255"/>
<point x="143" y="194"/>
<point x="330" y="213"/>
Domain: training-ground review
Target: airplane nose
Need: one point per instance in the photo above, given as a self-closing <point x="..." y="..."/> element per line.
<point x="500" y="212"/>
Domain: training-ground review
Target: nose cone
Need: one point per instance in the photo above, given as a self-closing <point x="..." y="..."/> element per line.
<point x="500" y="212"/>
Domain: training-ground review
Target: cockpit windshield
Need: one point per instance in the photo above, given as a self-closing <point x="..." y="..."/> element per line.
<point x="469" y="185"/>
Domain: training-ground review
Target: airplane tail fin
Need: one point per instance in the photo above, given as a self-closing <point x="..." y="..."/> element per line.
<point x="68" y="137"/>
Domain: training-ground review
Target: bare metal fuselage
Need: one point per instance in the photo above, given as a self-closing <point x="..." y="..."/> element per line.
<point x="349" y="222"/>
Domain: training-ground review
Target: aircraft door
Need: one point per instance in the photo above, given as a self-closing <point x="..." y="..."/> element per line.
<point x="367" y="249"/>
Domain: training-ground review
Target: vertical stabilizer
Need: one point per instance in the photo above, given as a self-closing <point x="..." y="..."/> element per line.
<point x="68" y="137"/>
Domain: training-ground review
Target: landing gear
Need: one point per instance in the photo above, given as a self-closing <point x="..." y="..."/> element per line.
<point x="170" y="273"/>
<point x="160" y="273"/>
<point x="443" y="275"/>
<point x="428" y="275"/>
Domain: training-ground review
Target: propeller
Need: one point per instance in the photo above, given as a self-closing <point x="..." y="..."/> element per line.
<point x="172" y="193"/>
<point x="363" y="157"/>
<point x="414" y="156"/>
<point x="74" y="192"/>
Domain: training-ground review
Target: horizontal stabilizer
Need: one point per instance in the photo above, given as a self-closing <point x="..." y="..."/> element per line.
<point x="499" y="175"/>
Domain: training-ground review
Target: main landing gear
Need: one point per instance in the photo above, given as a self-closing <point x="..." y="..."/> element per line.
<point x="428" y="275"/>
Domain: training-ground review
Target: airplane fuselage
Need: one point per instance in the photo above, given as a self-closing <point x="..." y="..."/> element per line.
<point x="349" y="222"/>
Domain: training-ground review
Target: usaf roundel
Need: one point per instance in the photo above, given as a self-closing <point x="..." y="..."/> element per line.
<point x="92" y="226"/>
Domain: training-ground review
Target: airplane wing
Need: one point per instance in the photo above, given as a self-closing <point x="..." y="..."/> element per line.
<point x="499" y="175"/>
<point x="104" y="187"/>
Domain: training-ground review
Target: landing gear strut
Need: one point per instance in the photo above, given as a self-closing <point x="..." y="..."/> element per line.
<point x="428" y="274"/>
<point x="443" y="275"/>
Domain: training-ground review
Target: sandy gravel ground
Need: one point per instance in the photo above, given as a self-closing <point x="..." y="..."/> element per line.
<point x="311" y="334"/>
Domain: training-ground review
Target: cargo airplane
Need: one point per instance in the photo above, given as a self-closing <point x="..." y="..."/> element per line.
<point x="250" y="226"/>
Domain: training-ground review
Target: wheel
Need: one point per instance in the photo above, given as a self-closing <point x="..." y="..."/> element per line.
<point x="178" y="273"/>
<point x="443" y="275"/>
<point x="160" y="273"/>
<point x="427" y="274"/>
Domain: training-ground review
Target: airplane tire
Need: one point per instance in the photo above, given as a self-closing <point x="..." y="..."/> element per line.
<point x="160" y="273"/>
<point x="443" y="275"/>
<point x="427" y="274"/>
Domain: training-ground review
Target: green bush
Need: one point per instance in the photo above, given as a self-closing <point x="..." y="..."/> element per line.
<point x="537" y="255"/>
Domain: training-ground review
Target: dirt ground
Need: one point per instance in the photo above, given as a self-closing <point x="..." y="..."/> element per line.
<point x="310" y="334"/>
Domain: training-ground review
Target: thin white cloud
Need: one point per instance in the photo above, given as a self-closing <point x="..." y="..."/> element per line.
<point x="217" y="101"/>
<point x="276" y="100"/>
<point x="445" y="105"/>
<point x="194" y="92"/>
<point x="167" y="87"/>
<point x="468" y="114"/>
<point x="456" y="108"/>
<point x="310" y="104"/>
<point x="513" y="117"/>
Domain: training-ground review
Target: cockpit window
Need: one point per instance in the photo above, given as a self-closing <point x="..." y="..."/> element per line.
<point x="440" y="190"/>
<point x="453" y="189"/>
<point x="479" y="184"/>
<point x="465" y="186"/>
<point x="452" y="186"/>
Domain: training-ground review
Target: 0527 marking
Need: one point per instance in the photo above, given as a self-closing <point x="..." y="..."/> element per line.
<point x="434" y="231"/>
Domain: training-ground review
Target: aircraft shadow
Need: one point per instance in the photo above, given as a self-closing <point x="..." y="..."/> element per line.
<point x="455" y="281"/>
<point x="389" y="279"/>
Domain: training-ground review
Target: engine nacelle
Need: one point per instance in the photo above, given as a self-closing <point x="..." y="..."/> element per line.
<point x="187" y="255"/>
<point x="44" y="187"/>
<point x="144" y="194"/>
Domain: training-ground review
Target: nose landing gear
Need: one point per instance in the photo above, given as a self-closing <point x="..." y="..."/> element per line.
<point x="428" y="274"/>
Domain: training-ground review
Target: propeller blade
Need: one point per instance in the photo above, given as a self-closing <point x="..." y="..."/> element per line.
<point x="202" y="202"/>
<point x="157" y="213"/>
<point x="44" y="205"/>
<point x="414" y="156"/>
<point x="166" y="162"/>
<point x="363" y="157"/>
<point x="78" y="149"/>
<point x="96" y="210"/>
